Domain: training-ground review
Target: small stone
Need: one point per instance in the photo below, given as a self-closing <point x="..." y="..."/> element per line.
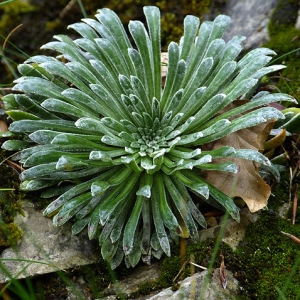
<point x="49" y="248"/>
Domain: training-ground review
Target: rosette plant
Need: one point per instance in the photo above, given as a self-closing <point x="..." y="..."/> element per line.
<point x="121" y="150"/>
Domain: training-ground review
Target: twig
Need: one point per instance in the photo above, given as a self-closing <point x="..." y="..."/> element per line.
<point x="203" y="268"/>
<point x="5" y="41"/>
<point x="292" y="237"/>
<point x="180" y="271"/>
<point x="295" y="204"/>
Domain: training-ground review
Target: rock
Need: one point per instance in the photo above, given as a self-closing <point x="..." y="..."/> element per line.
<point x="196" y="287"/>
<point x="249" y="18"/>
<point x="129" y="285"/>
<point x="234" y="231"/>
<point x="51" y="248"/>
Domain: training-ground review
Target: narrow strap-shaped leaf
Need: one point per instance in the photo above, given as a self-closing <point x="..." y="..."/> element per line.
<point x="195" y="57"/>
<point x="134" y="257"/>
<point x="253" y="155"/>
<point x="69" y="109"/>
<point x="254" y="103"/>
<point x="118" y="230"/>
<point x="49" y="156"/>
<point x="70" y="208"/>
<point x="84" y="30"/>
<point x="197" y="215"/>
<point x="88" y="209"/>
<point x="94" y="102"/>
<point x="69" y="163"/>
<point x="224" y="200"/>
<point x="17" y="115"/>
<point x="109" y="249"/>
<point x="143" y="42"/>
<point x="253" y="118"/>
<point x="152" y="15"/>
<point x="187" y="223"/>
<point x="166" y="213"/>
<point x="33" y="125"/>
<point x="93" y="225"/>
<point x="50" y="173"/>
<point x="91" y="47"/>
<point x="116" y="196"/>
<point x="139" y="70"/>
<point x="173" y="59"/>
<point x="38" y="86"/>
<point x="139" y="91"/>
<point x="253" y="55"/>
<point x="76" y="190"/>
<point x="118" y="257"/>
<point x="191" y="25"/>
<point x="131" y="225"/>
<point x="113" y="56"/>
<point x="198" y="79"/>
<point x="58" y="68"/>
<point x="147" y="227"/>
<point x="115" y="32"/>
<point x="176" y="84"/>
<point x="79" y="225"/>
<point x="208" y="110"/>
<point x="87" y="75"/>
<point x="94" y="125"/>
<point x="36" y="184"/>
<point x="29" y="104"/>
<point x="222" y="167"/>
<point x="159" y="225"/>
<point x="68" y="48"/>
<point x="220" y="24"/>
<point x="109" y="99"/>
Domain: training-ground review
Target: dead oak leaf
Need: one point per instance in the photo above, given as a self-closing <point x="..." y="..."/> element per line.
<point x="246" y="183"/>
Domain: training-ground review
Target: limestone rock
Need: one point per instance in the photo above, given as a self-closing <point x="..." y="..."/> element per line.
<point x="249" y="18"/>
<point x="195" y="287"/>
<point x="51" y="248"/>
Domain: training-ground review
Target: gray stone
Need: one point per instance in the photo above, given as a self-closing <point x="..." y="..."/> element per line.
<point x="201" y="286"/>
<point x="234" y="231"/>
<point x="51" y="248"/>
<point x="250" y="18"/>
<point x="131" y="284"/>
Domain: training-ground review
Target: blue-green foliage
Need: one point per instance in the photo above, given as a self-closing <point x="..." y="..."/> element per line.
<point x="120" y="150"/>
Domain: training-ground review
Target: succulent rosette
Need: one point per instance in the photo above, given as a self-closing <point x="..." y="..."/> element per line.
<point x="121" y="151"/>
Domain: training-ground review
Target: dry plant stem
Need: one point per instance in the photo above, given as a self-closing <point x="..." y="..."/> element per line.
<point x="5" y="41"/>
<point x="295" y="204"/>
<point x="291" y="182"/>
<point x="223" y="278"/>
<point x="198" y="266"/>
<point x="179" y="274"/>
<point x="16" y="166"/>
<point x="192" y="263"/>
<point x="292" y="237"/>
<point x="182" y="242"/>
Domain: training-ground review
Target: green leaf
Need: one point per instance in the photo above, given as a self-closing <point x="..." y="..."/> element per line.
<point x="131" y="225"/>
<point x="17" y="115"/>
<point x="15" y="145"/>
<point x="159" y="227"/>
<point x="191" y="25"/>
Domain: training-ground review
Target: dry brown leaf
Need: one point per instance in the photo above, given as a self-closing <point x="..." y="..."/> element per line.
<point x="246" y="183"/>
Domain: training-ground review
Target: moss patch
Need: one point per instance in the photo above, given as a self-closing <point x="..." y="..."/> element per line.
<point x="10" y="204"/>
<point x="285" y="41"/>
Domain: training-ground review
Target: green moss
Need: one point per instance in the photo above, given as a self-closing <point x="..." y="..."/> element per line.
<point x="268" y="258"/>
<point x="10" y="204"/>
<point x="10" y="233"/>
<point x="173" y="13"/>
<point x="285" y="41"/>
